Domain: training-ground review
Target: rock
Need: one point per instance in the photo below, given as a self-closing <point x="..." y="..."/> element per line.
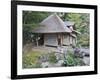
<point x="45" y="64"/>
<point x="59" y="63"/>
<point x="76" y="51"/>
<point x="86" y="60"/>
<point x="81" y="52"/>
<point x="85" y="52"/>
<point x="58" y="56"/>
<point x="44" y="58"/>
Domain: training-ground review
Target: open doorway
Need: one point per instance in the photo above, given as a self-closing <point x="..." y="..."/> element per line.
<point x="59" y="40"/>
<point x="41" y="40"/>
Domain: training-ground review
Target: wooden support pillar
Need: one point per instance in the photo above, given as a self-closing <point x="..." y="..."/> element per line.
<point x="37" y="40"/>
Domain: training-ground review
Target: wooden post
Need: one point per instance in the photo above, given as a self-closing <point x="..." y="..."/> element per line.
<point x="44" y="40"/>
<point x="37" y="40"/>
<point x="61" y="39"/>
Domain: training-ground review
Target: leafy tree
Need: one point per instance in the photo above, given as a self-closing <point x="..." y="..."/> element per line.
<point x="81" y="24"/>
<point x="30" y="21"/>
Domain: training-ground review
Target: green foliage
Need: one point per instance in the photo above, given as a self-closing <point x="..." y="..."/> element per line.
<point x="52" y="58"/>
<point x="81" y="24"/>
<point x="71" y="60"/>
<point x="26" y="33"/>
<point x="31" y="19"/>
<point x="28" y="36"/>
<point x="84" y="40"/>
<point x="30" y="59"/>
<point x="78" y="62"/>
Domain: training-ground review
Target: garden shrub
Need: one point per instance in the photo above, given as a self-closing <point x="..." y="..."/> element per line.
<point x="52" y="57"/>
<point x="30" y="60"/>
<point x="71" y="60"/>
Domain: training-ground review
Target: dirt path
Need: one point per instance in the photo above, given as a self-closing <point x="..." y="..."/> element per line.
<point x="44" y="49"/>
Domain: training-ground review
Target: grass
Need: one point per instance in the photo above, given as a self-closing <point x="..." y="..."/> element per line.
<point x="30" y="59"/>
<point x="52" y="58"/>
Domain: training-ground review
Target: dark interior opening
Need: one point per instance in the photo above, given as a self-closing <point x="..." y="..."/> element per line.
<point x="59" y="41"/>
<point x="41" y="40"/>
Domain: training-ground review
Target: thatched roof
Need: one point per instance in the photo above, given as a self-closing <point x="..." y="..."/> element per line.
<point x="69" y="23"/>
<point x="76" y="32"/>
<point x="52" y="24"/>
<point x="73" y="35"/>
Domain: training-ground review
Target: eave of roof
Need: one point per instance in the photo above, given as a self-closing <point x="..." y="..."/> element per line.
<point x="73" y="35"/>
<point x="76" y="32"/>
